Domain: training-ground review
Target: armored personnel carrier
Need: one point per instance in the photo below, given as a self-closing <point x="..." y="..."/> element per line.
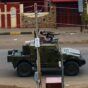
<point x="24" y="61"/>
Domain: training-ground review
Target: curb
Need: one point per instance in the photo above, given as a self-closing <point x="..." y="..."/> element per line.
<point x="25" y="33"/>
<point x="15" y="33"/>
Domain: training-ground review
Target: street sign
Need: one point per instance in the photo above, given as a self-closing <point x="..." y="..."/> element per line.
<point x="37" y="42"/>
<point x="80" y="6"/>
<point x="59" y="63"/>
<point x="36" y="76"/>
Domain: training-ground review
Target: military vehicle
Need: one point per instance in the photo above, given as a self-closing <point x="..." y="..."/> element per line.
<point x="24" y="61"/>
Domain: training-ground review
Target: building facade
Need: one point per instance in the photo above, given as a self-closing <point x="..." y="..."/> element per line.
<point x="27" y="3"/>
<point x="65" y="14"/>
<point x="10" y="11"/>
<point x="10" y="15"/>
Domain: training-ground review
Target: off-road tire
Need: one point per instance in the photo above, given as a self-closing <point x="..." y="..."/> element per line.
<point x="24" y="69"/>
<point x="71" y="68"/>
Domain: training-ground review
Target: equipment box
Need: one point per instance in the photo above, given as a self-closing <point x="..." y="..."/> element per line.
<point x="53" y="82"/>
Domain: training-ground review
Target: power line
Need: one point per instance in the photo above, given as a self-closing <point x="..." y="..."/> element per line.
<point x="32" y="1"/>
<point x="68" y="24"/>
<point x="59" y="7"/>
<point x="28" y="7"/>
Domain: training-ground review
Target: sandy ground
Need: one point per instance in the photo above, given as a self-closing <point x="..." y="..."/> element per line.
<point x="72" y="85"/>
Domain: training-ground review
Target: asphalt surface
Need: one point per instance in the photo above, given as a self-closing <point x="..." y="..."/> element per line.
<point x="13" y="41"/>
<point x="8" y="74"/>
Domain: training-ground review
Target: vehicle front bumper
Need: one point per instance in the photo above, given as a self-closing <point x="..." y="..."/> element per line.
<point x="82" y="61"/>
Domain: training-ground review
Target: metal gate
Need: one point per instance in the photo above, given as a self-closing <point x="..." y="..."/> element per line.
<point x="67" y="14"/>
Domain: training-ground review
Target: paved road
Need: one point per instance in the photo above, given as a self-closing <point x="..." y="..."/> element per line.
<point x="8" y="74"/>
<point x="13" y="41"/>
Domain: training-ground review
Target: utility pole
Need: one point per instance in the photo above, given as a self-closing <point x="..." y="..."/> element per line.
<point x="61" y="65"/>
<point x="38" y="62"/>
<point x="62" y="70"/>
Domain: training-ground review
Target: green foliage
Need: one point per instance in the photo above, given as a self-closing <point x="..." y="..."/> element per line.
<point x="85" y="15"/>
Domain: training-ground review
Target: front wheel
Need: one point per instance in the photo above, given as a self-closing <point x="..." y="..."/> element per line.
<point x="71" y="68"/>
<point x="24" y="69"/>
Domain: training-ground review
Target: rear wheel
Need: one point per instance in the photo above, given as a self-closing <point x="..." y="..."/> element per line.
<point x="24" y="69"/>
<point x="71" y="68"/>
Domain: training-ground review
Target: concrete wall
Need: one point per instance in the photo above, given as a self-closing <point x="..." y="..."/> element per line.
<point x="47" y="21"/>
<point x="13" y="16"/>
